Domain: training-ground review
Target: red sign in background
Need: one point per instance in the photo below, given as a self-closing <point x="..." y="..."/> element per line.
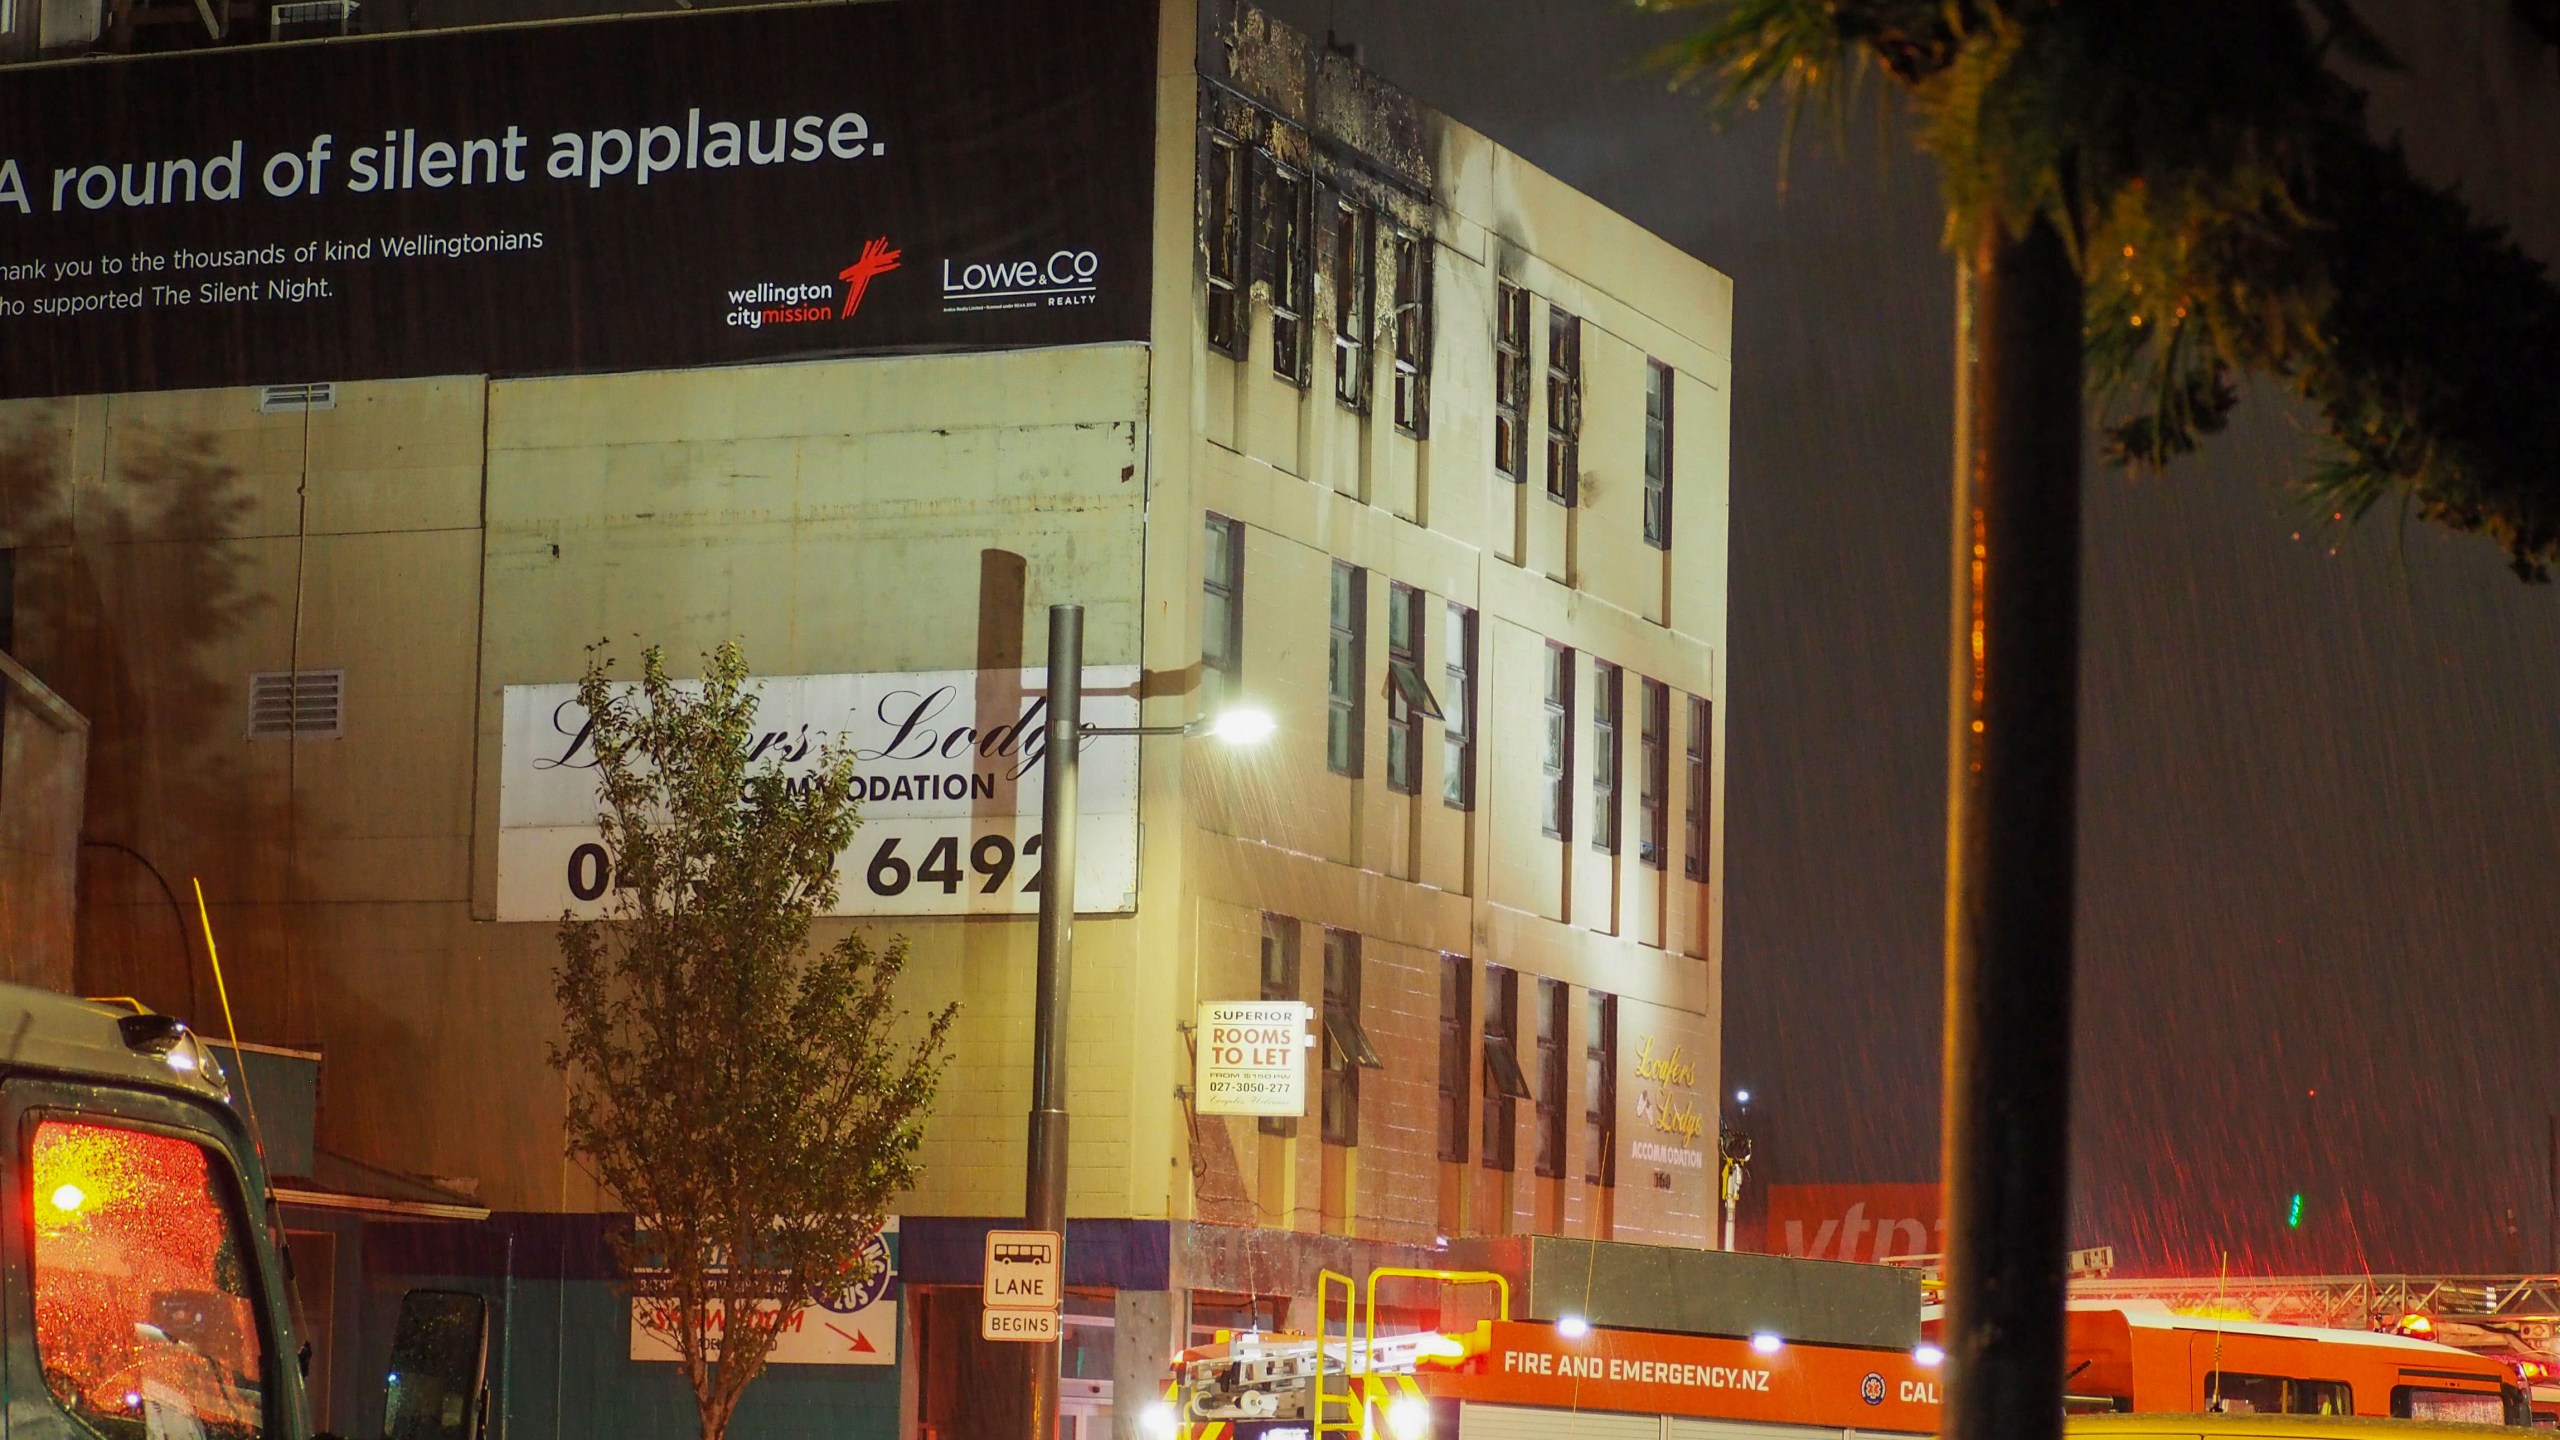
<point x="1854" y="1222"/>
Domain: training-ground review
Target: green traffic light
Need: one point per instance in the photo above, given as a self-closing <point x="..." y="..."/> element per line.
<point x="2293" y="1215"/>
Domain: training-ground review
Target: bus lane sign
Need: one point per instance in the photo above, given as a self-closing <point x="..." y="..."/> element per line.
<point x="1022" y="1288"/>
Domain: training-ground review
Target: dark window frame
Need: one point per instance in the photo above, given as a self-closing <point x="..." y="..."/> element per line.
<point x="1457" y="1026"/>
<point x="1511" y="381"/>
<point x="1412" y="257"/>
<point x="1653" y="782"/>
<point x="1608" y="753"/>
<point x="1347" y="1050"/>
<point x="1409" y="697"/>
<point x="1657" y="454"/>
<point x="1291" y="207"/>
<point x="1564" y="407"/>
<point x="1280" y="983"/>
<point x="1600" y="1087"/>
<point x="1701" y="787"/>
<point x="1556" y="764"/>
<point x="1504" y="1085"/>
<point x="1226" y="178"/>
<point x="1555" y="1022"/>
<point x="1458" y="727"/>
<point x="1221" y="645"/>
<point x="1355" y="300"/>
<point x="1347" y="671"/>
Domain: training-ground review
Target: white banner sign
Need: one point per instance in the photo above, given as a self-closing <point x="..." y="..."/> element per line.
<point x="859" y="1327"/>
<point x="1252" y="1058"/>
<point x="949" y="767"/>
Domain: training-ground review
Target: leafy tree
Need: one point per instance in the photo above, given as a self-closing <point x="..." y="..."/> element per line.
<point x="2222" y="209"/>
<point x="2146" y="199"/>
<point x="749" y="1099"/>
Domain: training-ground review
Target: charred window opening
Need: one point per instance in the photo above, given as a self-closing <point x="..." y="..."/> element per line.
<point x="1287" y="221"/>
<point x="1225" y="221"/>
<point x="1564" y="408"/>
<point x="1413" y="334"/>
<point x="1355" y="282"/>
<point x="1511" y="381"/>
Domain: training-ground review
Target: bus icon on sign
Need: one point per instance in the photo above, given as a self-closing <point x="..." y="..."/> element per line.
<point x="1023" y="1253"/>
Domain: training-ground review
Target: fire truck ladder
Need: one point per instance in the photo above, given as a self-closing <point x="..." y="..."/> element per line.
<point x="1345" y="1410"/>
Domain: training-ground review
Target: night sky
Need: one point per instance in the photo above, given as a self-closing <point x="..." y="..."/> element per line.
<point x="2320" y="801"/>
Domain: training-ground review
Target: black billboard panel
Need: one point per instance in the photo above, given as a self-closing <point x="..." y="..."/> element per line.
<point x="631" y="194"/>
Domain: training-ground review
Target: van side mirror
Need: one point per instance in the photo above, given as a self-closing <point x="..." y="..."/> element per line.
<point x="437" y="1387"/>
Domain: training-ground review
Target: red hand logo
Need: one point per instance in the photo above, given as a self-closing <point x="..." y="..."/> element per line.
<point x="877" y="259"/>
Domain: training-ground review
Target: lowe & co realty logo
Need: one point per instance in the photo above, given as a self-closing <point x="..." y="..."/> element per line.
<point x="1061" y="277"/>
<point x="775" y="302"/>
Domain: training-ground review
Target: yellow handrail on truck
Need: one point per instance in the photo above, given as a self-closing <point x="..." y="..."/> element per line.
<point x="1361" y="1312"/>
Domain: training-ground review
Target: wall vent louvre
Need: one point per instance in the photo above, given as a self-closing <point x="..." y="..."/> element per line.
<point x="304" y="18"/>
<point x="294" y="399"/>
<point x="307" y="703"/>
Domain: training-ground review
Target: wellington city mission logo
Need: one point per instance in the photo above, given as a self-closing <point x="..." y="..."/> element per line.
<point x="774" y="302"/>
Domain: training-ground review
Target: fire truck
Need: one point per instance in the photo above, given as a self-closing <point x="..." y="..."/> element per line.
<point x="1517" y="1379"/>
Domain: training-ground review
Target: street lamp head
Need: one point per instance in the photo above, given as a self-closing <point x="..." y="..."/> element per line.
<point x="1242" y="725"/>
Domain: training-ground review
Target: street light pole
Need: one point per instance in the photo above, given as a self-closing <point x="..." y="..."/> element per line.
<point x="1044" y="1186"/>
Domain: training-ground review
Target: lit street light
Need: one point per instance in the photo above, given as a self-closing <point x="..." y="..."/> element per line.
<point x="1044" y="1189"/>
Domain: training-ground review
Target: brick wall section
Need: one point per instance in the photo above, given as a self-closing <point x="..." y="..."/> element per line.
<point x="1399" y="1105"/>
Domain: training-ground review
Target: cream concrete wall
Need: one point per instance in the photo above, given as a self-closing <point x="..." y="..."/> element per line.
<point x="832" y="516"/>
<point x="829" y="515"/>
<point x="169" y="545"/>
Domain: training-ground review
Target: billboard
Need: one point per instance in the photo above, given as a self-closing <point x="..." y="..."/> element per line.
<point x="948" y="764"/>
<point x="1855" y="1222"/>
<point x="665" y="191"/>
